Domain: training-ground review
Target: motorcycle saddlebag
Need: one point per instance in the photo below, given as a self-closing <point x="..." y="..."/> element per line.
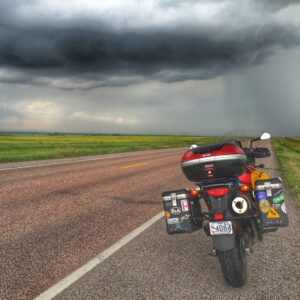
<point x="216" y="161"/>
<point x="270" y="198"/>
<point x="182" y="212"/>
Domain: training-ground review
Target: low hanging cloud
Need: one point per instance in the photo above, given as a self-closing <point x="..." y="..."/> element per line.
<point x="117" y="43"/>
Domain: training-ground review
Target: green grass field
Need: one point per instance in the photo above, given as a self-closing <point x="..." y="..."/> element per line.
<point x="35" y="147"/>
<point x="288" y="153"/>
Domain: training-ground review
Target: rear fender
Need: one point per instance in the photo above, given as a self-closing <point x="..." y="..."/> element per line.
<point x="220" y="205"/>
<point x="224" y="242"/>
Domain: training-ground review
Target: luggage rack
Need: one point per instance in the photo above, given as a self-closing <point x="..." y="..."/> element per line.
<point x="211" y="184"/>
<point x="206" y="216"/>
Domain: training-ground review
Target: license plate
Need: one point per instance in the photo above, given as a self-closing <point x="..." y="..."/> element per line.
<point x="219" y="228"/>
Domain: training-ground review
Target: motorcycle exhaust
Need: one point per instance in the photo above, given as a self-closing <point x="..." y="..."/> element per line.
<point x="240" y="205"/>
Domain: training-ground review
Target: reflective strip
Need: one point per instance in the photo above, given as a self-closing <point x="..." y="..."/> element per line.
<point x="268" y="186"/>
<point x="179" y="197"/>
<point x="214" y="159"/>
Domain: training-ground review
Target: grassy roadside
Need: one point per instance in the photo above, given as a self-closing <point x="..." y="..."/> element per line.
<point x="35" y="147"/>
<point x="288" y="154"/>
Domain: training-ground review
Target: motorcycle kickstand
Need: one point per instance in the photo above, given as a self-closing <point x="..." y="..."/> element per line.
<point x="248" y="246"/>
<point x="213" y="252"/>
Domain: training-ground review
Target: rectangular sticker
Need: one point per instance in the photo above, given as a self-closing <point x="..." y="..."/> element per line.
<point x="261" y="195"/>
<point x="173" y="221"/>
<point x="184" y="205"/>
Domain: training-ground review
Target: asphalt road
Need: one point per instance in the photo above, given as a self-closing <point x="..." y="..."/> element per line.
<point x="54" y="218"/>
<point x="58" y="214"/>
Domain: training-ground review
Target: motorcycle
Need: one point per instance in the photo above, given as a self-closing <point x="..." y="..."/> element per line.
<point x="242" y="202"/>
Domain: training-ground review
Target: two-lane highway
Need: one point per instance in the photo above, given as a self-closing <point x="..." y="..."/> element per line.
<point x="56" y="215"/>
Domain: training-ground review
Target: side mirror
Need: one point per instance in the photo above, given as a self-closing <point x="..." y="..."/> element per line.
<point x="265" y="136"/>
<point x="193" y="146"/>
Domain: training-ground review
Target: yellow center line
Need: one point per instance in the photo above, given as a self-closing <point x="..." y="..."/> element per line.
<point x="135" y="165"/>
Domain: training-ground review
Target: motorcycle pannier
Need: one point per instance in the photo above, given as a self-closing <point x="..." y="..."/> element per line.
<point x="181" y="211"/>
<point x="213" y="162"/>
<point x="271" y="204"/>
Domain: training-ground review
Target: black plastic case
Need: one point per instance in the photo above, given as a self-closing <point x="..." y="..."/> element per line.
<point x="182" y="212"/>
<point x="270" y="199"/>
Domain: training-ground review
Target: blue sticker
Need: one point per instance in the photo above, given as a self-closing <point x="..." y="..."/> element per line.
<point x="261" y="195"/>
<point x="178" y="226"/>
<point x="168" y="203"/>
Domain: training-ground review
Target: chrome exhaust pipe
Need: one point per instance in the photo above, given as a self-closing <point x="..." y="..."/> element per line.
<point x="239" y="205"/>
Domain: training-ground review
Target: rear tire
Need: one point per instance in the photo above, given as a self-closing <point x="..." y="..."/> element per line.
<point x="234" y="266"/>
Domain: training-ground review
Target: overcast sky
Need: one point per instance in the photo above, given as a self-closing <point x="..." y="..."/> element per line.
<point x="156" y="67"/>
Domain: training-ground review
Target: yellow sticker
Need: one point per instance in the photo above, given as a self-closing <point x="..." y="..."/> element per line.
<point x="167" y="214"/>
<point x="273" y="214"/>
<point x="264" y="205"/>
<point x="258" y="175"/>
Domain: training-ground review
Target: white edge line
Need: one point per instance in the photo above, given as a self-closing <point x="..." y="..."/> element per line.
<point x="88" y="159"/>
<point x="77" y="274"/>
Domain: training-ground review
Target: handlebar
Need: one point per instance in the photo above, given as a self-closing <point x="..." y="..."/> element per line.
<point x="258" y="152"/>
<point x="261" y="152"/>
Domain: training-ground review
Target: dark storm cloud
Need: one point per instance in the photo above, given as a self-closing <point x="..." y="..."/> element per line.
<point x="276" y="4"/>
<point x="143" y="52"/>
<point x="267" y="4"/>
<point x="107" y="54"/>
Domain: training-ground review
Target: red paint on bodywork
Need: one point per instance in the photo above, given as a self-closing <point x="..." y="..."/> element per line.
<point x="226" y="149"/>
<point x="246" y="176"/>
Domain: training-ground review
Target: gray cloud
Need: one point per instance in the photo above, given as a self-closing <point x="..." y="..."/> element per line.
<point x="158" y="67"/>
<point x="268" y="4"/>
<point x="262" y="98"/>
<point x="89" y="50"/>
<point x="276" y="4"/>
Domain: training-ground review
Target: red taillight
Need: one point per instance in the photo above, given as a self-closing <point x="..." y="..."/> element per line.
<point x="218" y="192"/>
<point x="218" y="216"/>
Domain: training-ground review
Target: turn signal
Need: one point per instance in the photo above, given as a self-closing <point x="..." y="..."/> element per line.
<point x="194" y="193"/>
<point x="245" y="188"/>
